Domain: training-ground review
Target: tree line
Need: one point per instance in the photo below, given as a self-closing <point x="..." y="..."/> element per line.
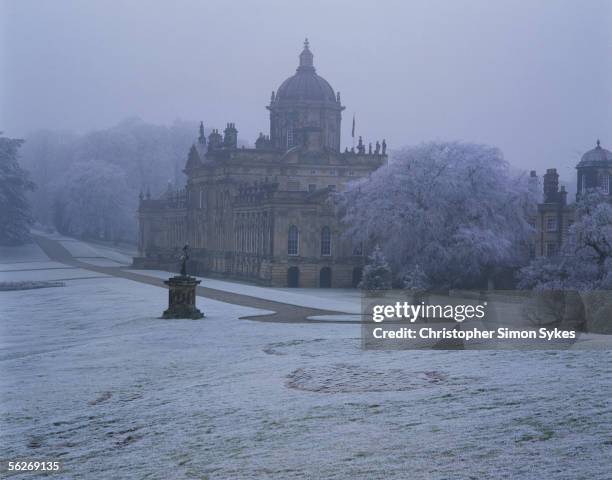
<point x="88" y="185"/>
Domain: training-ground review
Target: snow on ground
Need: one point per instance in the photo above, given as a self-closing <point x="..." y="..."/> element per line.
<point x="30" y="252"/>
<point x="49" y="274"/>
<point x="85" y="252"/>
<point x="90" y="374"/>
<point x="29" y="263"/>
<point x="17" y="266"/>
<point x="93" y="253"/>
<point x="101" y="262"/>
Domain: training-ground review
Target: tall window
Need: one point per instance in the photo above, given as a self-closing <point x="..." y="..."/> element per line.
<point x="325" y="241"/>
<point x="604" y="183"/>
<point x="290" y="137"/>
<point x="551" y="224"/>
<point x="551" y="249"/>
<point x="293" y="241"/>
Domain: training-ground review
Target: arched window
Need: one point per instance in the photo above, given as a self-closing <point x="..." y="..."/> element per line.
<point x="293" y="241"/>
<point x="325" y="241"/>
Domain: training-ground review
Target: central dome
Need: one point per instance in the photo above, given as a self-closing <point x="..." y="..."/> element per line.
<point x="306" y="84"/>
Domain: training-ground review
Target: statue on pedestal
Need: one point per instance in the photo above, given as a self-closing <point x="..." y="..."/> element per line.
<point x="182" y="293"/>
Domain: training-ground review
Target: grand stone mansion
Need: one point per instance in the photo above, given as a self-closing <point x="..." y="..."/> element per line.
<point x="266" y="214"/>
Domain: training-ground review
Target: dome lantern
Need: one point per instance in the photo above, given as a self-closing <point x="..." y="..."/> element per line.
<point x="306" y="58"/>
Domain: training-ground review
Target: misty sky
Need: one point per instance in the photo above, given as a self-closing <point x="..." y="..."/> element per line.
<point x="532" y="77"/>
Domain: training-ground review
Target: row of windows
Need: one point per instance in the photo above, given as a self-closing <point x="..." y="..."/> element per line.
<point x="293" y="242"/>
<point x="604" y="184"/>
<point x="552" y="224"/>
<point x="294" y="186"/>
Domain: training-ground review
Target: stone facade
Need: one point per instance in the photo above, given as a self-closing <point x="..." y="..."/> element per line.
<point x="266" y="214"/>
<point x="554" y="215"/>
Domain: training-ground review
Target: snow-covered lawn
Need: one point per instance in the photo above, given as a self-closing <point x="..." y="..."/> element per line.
<point x="89" y="374"/>
<point x="24" y="253"/>
<point x="16" y="266"/>
<point x="93" y="252"/>
<point x="51" y="274"/>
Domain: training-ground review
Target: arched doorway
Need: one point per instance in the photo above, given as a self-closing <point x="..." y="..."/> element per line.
<point x="293" y="277"/>
<point x="325" y="277"/>
<point x="357" y="274"/>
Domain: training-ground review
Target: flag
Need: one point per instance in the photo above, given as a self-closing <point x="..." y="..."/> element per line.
<point x="353" y="130"/>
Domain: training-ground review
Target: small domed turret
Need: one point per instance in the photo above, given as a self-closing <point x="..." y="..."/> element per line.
<point x="594" y="170"/>
<point x="597" y="157"/>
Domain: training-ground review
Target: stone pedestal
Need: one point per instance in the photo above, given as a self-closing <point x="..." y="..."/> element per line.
<point x="181" y="298"/>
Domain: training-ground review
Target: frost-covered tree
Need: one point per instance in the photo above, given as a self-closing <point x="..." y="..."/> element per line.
<point x="47" y="155"/>
<point x="416" y="279"/>
<point x="15" y="216"/>
<point x="93" y="200"/>
<point x="446" y="214"/>
<point x="585" y="261"/>
<point x="377" y="273"/>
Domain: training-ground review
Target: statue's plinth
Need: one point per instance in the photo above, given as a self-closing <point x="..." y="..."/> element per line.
<point x="181" y="297"/>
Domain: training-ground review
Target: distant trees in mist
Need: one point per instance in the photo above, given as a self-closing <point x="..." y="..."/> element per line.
<point x="15" y="215"/>
<point x="88" y="185"/>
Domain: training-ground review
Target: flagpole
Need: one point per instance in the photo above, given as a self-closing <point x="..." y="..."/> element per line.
<point x="353" y="132"/>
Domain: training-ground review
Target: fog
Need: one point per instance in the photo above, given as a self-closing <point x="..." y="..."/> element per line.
<point x="533" y="78"/>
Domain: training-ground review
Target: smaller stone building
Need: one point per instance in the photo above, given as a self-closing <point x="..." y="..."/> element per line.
<point x="554" y="215"/>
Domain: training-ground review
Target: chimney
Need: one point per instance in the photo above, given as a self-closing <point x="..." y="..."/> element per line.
<point x="533" y="182"/>
<point x="551" y="186"/>
<point x="563" y="196"/>
<point x="230" y="138"/>
<point x="215" y="139"/>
